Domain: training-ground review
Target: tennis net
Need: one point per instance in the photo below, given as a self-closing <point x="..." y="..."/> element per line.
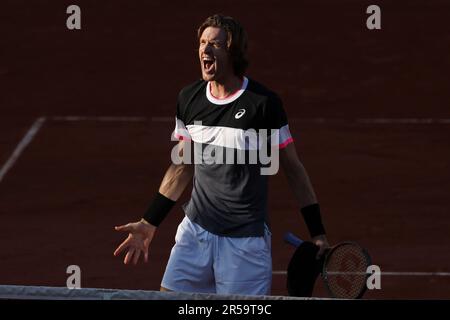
<point x="62" y="293"/>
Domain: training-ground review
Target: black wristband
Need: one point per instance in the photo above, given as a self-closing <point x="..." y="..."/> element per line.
<point x="158" y="209"/>
<point x="313" y="220"/>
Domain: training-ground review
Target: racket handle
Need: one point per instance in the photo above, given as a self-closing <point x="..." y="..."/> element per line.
<point x="292" y="239"/>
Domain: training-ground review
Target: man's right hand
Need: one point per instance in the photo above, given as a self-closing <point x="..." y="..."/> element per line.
<point x="138" y="240"/>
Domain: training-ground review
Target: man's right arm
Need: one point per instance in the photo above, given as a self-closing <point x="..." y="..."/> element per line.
<point x="140" y="234"/>
<point x="172" y="186"/>
<point x="177" y="177"/>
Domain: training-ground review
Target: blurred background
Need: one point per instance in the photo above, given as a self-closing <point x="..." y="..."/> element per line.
<point x="86" y="117"/>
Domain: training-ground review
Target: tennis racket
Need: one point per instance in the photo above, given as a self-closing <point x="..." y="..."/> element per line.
<point x="344" y="270"/>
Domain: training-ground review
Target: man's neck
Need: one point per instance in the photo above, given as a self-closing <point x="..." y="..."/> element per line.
<point x="223" y="89"/>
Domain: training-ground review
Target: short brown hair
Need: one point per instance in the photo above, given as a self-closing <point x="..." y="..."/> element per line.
<point x="237" y="41"/>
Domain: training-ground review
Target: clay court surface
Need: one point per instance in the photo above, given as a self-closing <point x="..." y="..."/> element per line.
<point x="93" y="112"/>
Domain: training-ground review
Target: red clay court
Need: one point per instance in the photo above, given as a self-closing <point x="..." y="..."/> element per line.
<point x="86" y="119"/>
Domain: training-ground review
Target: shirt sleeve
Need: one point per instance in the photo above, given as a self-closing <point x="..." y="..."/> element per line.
<point x="276" y="120"/>
<point x="180" y="132"/>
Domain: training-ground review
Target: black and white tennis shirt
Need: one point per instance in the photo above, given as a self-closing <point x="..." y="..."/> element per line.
<point x="229" y="199"/>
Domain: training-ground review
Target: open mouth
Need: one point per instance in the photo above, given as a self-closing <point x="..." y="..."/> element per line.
<point x="208" y="64"/>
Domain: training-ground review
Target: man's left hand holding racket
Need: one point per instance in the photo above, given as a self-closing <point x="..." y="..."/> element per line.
<point x="322" y="242"/>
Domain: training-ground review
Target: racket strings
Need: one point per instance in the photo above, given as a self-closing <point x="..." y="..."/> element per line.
<point x="345" y="271"/>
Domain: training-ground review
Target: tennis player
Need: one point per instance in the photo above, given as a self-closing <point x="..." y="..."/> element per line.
<point x="223" y="244"/>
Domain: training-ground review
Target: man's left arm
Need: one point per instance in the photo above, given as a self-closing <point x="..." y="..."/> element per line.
<point x="300" y="184"/>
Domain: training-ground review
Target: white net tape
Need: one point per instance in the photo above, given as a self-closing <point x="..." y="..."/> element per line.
<point x="62" y="293"/>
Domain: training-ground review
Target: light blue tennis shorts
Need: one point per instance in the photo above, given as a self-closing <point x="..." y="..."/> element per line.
<point x="204" y="262"/>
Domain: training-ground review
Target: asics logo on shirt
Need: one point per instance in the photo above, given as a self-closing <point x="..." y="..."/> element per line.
<point x="240" y="113"/>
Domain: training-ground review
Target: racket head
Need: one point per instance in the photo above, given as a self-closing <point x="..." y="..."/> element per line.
<point x="303" y="270"/>
<point x="344" y="270"/>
